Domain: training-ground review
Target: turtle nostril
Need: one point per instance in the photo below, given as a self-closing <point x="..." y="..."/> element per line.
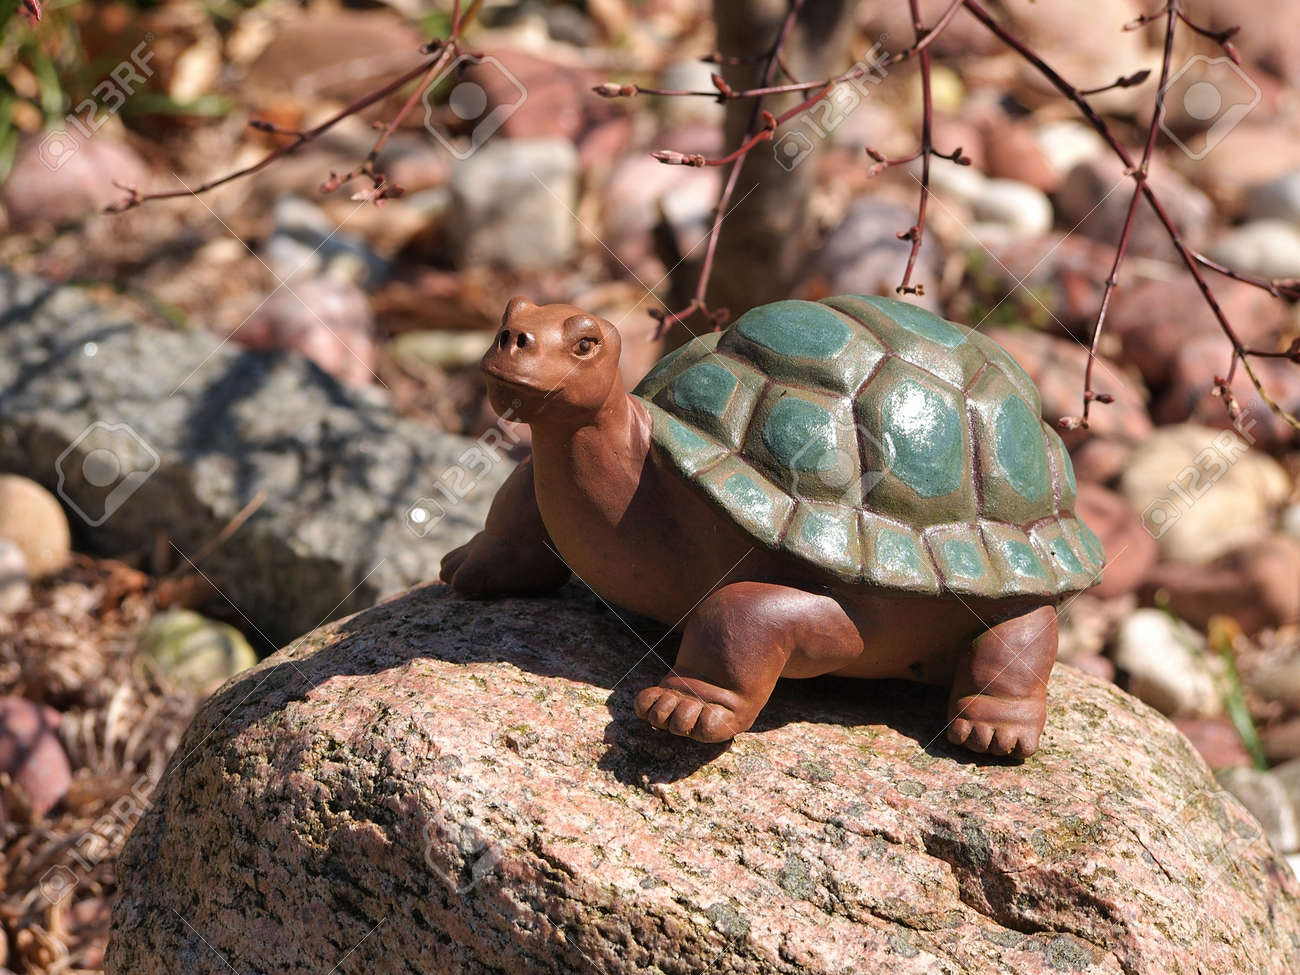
<point x="523" y="340"/>
<point x="504" y="338"/>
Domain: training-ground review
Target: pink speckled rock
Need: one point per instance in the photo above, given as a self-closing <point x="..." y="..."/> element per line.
<point x="444" y="786"/>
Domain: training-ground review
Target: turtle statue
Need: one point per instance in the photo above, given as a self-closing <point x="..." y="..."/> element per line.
<point x="852" y="486"/>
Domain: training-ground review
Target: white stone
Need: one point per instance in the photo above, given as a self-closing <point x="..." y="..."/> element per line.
<point x="1291" y="520"/>
<point x="1066" y="144"/>
<point x="513" y="204"/>
<point x="689" y="75"/>
<point x="14" y="590"/>
<point x="1166" y="663"/>
<point x="1018" y="206"/>
<point x="1265" y="797"/>
<point x="1203" y="492"/>
<point x="1278" y="199"/>
<point x="1270" y="248"/>
<point x="952" y="182"/>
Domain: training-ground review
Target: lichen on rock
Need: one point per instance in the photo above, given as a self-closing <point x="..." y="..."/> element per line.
<point x="438" y="785"/>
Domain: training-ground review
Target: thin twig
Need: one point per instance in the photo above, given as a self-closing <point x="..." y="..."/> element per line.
<point x="698" y="304"/>
<point x="916" y="232"/>
<point x="232" y="526"/>
<point x="762" y="128"/>
<point x="1189" y="259"/>
<point x="443" y="52"/>
<point x="1140" y="178"/>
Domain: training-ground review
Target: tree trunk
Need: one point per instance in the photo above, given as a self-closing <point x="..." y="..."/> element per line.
<point x="768" y="226"/>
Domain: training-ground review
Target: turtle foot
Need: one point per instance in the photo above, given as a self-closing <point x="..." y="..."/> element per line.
<point x="692" y="709"/>
<point x="986" y="724"/>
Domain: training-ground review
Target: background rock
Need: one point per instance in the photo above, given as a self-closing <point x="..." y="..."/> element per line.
<point x="43" y="190"/>
<point x="1018" y="206"/>
<point x="556" y="98"/>
<point x="1093" y="200"/>
<point x="305" y="242"/>
<point x="1288" y="776"/>
<point x="1189" y="396"/>
<point x="1281" y="743"/>
<point x="14" y="590"/>
<point x="441" y="785"/>
<point x="1266" y="798"/>
<point x="1053" y="281"/>
<point x="863" y="255"/>
<point x="1269" y="248"/>
<point x="1258" y="585"/>
<point x="31" y="754"/>
<point x="690" y="74"/>
<point x="1066" y="143"/>
<point x="643" y="191"/>
<point x="1130" y="551"/>
<point x="1087" y="626"/>
<point x="1165" y="663"/>
<point x="1013" y="151"/>
<point x="327" y="321"/>
<point x="340" y="54"/>
<point x="31" y="518"/>
<point x="1217" y="741"/>
<point x="1154" y="319"/>
<point x="1278" y="198"/>
<point x="1278" y="682"/>
<point x="195" y="653"/>
<point x="216" y="425"/>
<point x="513" y="203"/>
<point x="1234" y="491"/>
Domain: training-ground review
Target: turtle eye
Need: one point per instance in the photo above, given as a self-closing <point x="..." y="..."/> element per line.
<point x="586" y="345"/>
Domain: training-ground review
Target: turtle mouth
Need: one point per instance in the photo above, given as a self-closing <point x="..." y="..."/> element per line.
<point x="497" y="376"/>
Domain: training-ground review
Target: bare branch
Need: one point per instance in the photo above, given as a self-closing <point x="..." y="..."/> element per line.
<point x="442" y="53"/>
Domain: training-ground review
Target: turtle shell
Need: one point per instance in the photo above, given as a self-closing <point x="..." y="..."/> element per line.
<point x="879" y="442"/>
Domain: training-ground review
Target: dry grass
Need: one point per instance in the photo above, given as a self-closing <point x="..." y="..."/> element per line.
<point x="74" y="647"/>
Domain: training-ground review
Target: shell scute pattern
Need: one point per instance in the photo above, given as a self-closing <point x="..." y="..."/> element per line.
<point x="879" y="443"/>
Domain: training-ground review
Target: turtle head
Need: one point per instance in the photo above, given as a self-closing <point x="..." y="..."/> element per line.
<point x="551" y="362"/>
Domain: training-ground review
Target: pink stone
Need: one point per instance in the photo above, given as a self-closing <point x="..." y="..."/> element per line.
<point x="1094" y="665"/>
<point x="1216" y="740"/>
<point x="1153" y="320"/>
<point x="444" y="785"/>
<point x="327" y="321"/>
<point x="61" y="179"/>
<point x="31" y="753"/>
<point x="1130" y="550"/>
<point x="1191" y="382"/>
<point x="1012" y="151"/>
<point x="1258" y="585"/>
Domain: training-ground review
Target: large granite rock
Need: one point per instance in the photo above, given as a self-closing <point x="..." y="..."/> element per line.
<point x="146" y="433"/>
<point x="438" y="785"/>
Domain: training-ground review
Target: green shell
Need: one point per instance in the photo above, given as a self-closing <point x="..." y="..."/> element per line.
<point x="880" y="443"/>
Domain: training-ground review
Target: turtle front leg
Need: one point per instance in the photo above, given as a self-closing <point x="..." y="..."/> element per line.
<point x="513" y="554"/>
<point x="999" y="692"/>
<point x="735" y="646"/>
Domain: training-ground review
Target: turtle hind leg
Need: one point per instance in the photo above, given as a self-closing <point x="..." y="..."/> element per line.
<point x="998" y="703"/>
<point x="735" y="646"/>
